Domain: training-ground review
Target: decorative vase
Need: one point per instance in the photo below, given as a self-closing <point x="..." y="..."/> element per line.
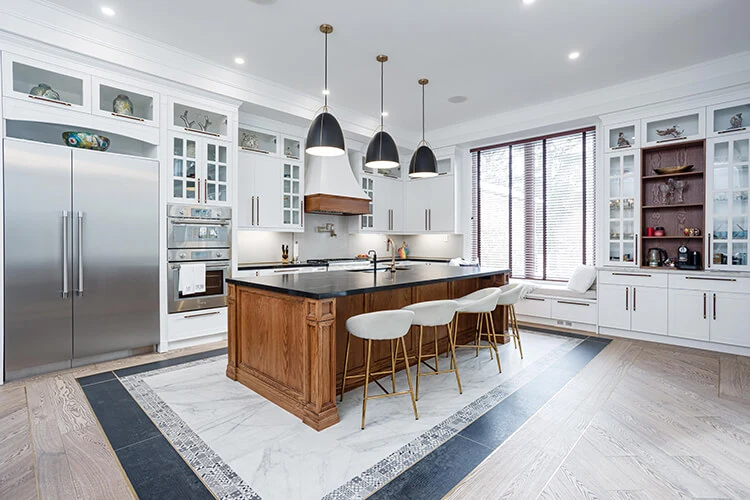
<point x="86" y="140"/>
<point x="122" y="105"/>
<point x="44" y="90"/>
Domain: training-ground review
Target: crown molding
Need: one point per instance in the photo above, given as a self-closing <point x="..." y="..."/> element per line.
<point x="53" y="25"/>
<point x="708" y="77"/>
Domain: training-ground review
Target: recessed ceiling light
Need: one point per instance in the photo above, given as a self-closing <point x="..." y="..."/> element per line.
<point x="108" y="11"/>
<point x="574" y="55"/>
<point x="528" y="2"/>
<point x="384" y="113"/>
<point x="326" y="92"/>
<point x="457" y="99"/>
<point x="239" y="60"/>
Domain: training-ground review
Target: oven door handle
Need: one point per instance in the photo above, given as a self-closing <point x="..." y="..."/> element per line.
<point x="198" y="222"/>
<point x="208" y="268"/>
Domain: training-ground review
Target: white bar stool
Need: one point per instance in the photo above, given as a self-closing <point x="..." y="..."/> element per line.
<point x="381" y="325"/>
<point x="482" y="302"/>
<point x="509" y="296"/>
<point x="435" y="313"/>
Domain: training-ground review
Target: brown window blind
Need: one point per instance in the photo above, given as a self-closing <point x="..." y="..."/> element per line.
<point x="534" y="205"/>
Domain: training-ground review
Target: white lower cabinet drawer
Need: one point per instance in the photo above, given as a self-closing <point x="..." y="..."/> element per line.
<point x="578" y="311"/>
<point x="532" y="306"/>
<point x="191" y="324"/>
<point x="706" y="282"/>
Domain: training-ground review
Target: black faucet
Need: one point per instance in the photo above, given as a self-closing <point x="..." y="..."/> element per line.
<point x="374" y="260"/>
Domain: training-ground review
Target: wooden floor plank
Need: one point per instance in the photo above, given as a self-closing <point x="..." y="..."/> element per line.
<point x="17" y="474"/>
<point x="53" y="468"/>
<point x="734" y="378"/>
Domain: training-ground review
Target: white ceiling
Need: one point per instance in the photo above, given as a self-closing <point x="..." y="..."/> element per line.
<point x="501" y="54"/>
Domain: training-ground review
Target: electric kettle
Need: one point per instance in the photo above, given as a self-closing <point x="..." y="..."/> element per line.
<point x="656" y="257"/>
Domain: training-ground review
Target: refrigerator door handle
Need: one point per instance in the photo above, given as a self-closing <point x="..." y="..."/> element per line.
<point x="80" y="254"/>
<point x="65" y="221"/>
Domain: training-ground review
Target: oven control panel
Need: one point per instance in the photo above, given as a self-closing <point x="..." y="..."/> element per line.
<point x="185" y="255"/>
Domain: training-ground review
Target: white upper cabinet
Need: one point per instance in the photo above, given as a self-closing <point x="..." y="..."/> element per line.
<point x="727" y="190"/>
<point x="622" y="201"/>
<point x="259" y="141"/>
<point x="430" y="205"/>
<point x="291" y="148"/>
<point x="683" y="126"/>
<point x="620" y="136"/>
<point x="125" y="102"/>
<point x="728" y="118"/>
<point x="195" y="118"/>
<point x="200" y="170"/>
<point x="46" y="84"/>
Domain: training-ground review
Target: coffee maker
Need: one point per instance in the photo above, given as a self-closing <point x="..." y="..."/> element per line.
<point x="688" y="259"/>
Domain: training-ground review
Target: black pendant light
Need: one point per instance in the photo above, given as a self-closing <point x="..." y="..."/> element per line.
<point x="423" y="162"/>
<point x="382" y="152"/>
<point x="325" y="137"/>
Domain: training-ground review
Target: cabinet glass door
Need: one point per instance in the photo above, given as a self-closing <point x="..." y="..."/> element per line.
<point x="621" y="196"/>
<point x="184" y="166"/>
<point x="728" y="194"/>
<point x="215" y="187"/>
<point x="292" y="195"/>
<point x="368" y="221"/>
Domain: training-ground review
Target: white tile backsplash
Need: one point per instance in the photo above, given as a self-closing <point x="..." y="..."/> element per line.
<point x="265" y="246"/>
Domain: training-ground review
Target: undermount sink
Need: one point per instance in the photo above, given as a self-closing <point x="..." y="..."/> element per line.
<point x="380" y="269"/>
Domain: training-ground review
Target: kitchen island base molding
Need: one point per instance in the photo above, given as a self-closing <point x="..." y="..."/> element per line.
<point x="290" y="349"/>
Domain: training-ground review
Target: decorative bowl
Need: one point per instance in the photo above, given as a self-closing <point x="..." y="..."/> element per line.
<point x="673" y="170"/>
<point x="86" y="140"/>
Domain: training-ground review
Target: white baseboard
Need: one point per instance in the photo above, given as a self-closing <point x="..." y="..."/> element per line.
<point x="556" y="324"/>
<point x="665" y="339"/>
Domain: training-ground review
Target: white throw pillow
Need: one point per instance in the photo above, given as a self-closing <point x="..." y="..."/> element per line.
<point x="582" y="279"/>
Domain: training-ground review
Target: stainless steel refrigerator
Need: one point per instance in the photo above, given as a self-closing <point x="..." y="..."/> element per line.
<point x="81" y="256"/>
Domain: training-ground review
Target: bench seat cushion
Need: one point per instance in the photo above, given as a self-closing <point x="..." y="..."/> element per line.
<point x="562" y="292"/>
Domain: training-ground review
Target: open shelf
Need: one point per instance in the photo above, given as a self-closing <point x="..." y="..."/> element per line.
<point x="672" y="237"/>
<point x="667" y="176"/>
<point x="676" y="205"/>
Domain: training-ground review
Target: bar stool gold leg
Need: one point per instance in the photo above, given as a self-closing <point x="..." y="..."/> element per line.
<point x="494" y="344"/>
<point x="346" y="364"/>
<point x="478" y="334"/>
<point x="367" y="380"/>
<point x="454" y="363"/>
<point x="515" y="326"/>
<point x="393" y="367"/>
<point x="419" y="360"/>
<point x="408" y="378"/>
<point x="435" y="334"/>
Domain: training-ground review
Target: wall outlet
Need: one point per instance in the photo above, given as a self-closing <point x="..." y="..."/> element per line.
<point x="445" y="238"/>
<point x="564" y="323"/>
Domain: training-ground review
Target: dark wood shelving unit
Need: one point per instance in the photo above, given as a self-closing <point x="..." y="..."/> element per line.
<point x="673" y="217"/>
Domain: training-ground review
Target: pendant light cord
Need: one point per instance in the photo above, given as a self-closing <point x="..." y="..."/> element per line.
<point x="382" y="64"/>
<point x="422" y="112"/>
<point x="325" y="77"/>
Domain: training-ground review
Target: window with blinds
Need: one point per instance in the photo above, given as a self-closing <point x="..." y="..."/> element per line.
<point x="534" y="205"/>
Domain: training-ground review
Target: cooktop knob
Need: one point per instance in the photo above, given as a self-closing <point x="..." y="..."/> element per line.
<point x="218" y="254"/>
<point x="183" y="255"/>
<point x="182" y="211"/>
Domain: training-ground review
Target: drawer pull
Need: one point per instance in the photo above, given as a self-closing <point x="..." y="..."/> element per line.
<point x="709" y="279"/>
<point x="573" y="303"/>
<point x="632" y="274"/>
<point x="53" y="101"/>
<point x="534" y="298"/>
<point x="714" y="307"/>
<point x="704" y="306"/>
<point x="188" y="316"/>
<point x="286" y="270"/>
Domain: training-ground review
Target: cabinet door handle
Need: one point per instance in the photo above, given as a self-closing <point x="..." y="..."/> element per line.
<point x="199" y="189"/>
<point x="634" y="295"/>
<point x="425" y="219"/>
<point x="632" y="274"/>
<point x="430" y="219"/>
<point x="704" y="306"/>
<point x="535" y="298"/>
<point x="257" y="210"/>
<point x="710" y="251"/>
<point x="573" y="303"/>
<point x="252" y="210"/>
<point x="709" y="279"/>
<point x="205" y="191"/>
<point x="65" y="253"/>
<point x="302" y="213"/>
<point x="627" y="292"/>
<point x="80" y="254"/>
<point x="636" y="250"/>
<point x="714" y="306"/>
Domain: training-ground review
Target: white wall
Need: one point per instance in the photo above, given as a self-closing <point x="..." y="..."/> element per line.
<point x="260" y="246"/>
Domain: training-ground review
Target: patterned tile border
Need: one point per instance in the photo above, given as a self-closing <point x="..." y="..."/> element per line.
<point x="227" y="484"/>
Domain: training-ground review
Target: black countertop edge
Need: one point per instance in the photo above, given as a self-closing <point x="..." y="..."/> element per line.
<point x="251" y="283"/>
<point x="279" y="265"/>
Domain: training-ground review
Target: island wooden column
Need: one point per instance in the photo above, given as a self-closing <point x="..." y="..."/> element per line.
<point x="290" y="349"/>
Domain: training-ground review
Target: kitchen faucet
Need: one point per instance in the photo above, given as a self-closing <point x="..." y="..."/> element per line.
<point x="390" y="245"/>
<point x="374" y="260"/>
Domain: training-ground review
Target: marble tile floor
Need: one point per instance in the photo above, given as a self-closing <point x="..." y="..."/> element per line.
<point x="280" y="457"/>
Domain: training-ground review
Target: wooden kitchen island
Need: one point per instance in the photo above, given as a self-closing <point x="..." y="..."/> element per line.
<point x="287" y="334"/>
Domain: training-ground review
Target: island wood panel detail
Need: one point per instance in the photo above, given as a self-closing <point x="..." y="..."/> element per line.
<point x="291" y="349"/>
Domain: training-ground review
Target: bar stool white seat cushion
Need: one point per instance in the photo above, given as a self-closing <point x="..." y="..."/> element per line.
<point x="484" y="302"/>
<point x="479" y="294"/>
<point x="510" y="295"/>
<point x="380" y="325"/>
<point x="433" y="313"/>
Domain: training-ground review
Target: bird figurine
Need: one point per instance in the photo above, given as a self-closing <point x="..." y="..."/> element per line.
<point x="736" y="121"/>
<point x="673" y="131"/>
<point x="621" y="141"/>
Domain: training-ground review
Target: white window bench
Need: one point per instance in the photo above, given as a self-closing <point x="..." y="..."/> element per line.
<point x="552" y="304"/>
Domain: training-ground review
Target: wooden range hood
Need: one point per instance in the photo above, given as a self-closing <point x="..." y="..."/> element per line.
<point x="331" y="188"/>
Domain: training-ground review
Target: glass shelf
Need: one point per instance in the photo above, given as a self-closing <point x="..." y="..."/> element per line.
<point x="258" y="141"/>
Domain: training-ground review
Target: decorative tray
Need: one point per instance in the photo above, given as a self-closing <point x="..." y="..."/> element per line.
<point x="673" y="170"/>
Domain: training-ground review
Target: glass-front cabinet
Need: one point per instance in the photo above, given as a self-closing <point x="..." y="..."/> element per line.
<point x="195" y="119"/>
<point x="622" y="136"/>
<point x="37" y="81"/>
<point x="727" y="200"/>
<point x="125" y="102"/>
<point x="622" y="197"/>
<point x="200" y="170"/>
<point x="368" y="221"/>
<point x="684" y="126"/>
<point x="728" y="118"/>
<point x="258" y="140"/>
<point x="292" y="196"/>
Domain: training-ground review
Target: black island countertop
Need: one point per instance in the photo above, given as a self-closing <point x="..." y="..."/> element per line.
<point x="342" y="283"/>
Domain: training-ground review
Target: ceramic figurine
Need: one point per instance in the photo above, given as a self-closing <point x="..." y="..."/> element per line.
<point x="736" y="121"/>
<point x="44" y="90"/>
<point x="86" y="140"/>
<point x="184" y="118"/>
<point x="621" y="141"/>
<point x="249" y="141"/>
<point x="122" y="105"/>
<point x="670" y="131"/>
<point x="204" y="126"/>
